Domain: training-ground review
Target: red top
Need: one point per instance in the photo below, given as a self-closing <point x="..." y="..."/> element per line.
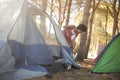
<point x="68" y="34"/>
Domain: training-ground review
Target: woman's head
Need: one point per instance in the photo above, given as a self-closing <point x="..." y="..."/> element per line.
<point x="81" y="28"/>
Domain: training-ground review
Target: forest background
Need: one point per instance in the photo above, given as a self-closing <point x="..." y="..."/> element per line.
<point x="100" y="16"/>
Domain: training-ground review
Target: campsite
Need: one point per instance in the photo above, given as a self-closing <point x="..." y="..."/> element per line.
<point x="80" y="74"/>
<point x="59" y="40"/>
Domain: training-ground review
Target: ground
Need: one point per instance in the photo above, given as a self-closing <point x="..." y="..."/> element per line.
<point x="80" y="74"/>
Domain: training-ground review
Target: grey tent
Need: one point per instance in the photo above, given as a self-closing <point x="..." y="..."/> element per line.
<point x="26" y="45"/>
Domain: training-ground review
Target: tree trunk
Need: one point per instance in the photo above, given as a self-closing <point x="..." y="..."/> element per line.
<point x="51" y="11"/>
<point x="82" y="48"/>
<point x="90" y="27"/>
<point x="60" y="12"/>
<point x="106" y="25"/>
<point x="68" y="12"/>
<point x="115" y="13"/>
<point x="42" y="19"/>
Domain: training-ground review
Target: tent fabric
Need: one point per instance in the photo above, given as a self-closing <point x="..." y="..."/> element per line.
<point x="65" y="49"/>
<point x="23" y="47"/>
<point x="24" y="73"/>
<point x="108" y="60"/>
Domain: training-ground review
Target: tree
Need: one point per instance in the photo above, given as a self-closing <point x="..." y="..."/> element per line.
<point x="94" y="7"/>
<point x="62" y="10"/>
<point x="43" y="20"/>
<point x="42" y="4"/>
<point x="82" y="48"/>
<point x="68" y="12"/>
<point x="116" y="10"/>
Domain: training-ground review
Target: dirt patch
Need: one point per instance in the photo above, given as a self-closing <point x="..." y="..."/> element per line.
<point x="80" y="74"/>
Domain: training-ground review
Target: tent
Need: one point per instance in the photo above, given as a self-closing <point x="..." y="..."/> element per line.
<point x="30" y="40"/>
<point x="108" y="60"/>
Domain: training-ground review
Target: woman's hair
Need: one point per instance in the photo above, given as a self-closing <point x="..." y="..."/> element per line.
<point x="82" y="27"/>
